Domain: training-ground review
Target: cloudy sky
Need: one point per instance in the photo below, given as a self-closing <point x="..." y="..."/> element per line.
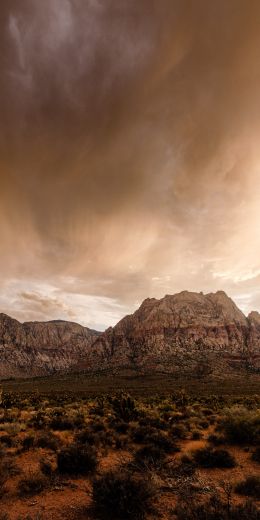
<point x="129" y="154"/>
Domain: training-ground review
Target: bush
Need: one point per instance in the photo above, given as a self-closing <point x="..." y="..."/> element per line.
<point x="150" y="456"/>
<point x="7" y="440"/>
<point x="256" y="455"/>
<point x="77" y="460"/>
<point x="32" y="484"/>
<point x="250" y="487"/>
<point x="47" y="440"/>
<point x="215" y="509"/>
<point x="217" y="440"/>
<point x="241" y="426"/>
<point x="210" y="458"/>
<point x="119" y="496"/>
<point x="196" y="435"/>
<point x="124" y="407"/>
<point x="28" y="442"/>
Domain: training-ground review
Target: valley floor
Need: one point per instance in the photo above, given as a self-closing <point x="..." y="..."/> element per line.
<point x="174" y="457"/>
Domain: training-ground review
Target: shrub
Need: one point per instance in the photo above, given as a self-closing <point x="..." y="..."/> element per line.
<point x="151" y="456"/>
<point x="256" y="455"/>
<point x="163" y="442"/>
<point x="77" y="460"/>
<point x="119" y="496"/>
<point x="179" y="431"/>
<point x="241" y="425"/>
<point x="47" y="440"/>
<point x="217" y="440"/>
<point x="124" y="407"/>
<point x="215" y="509"/>
<point x="28" y="442"/>
<point x="141" y="434"/>
<point x="249" y="487"/>
<point x="210" y="458"/>
<point x="32" y="484"/>
<point x="196" y="435"/>
<point x="7" y="440"/>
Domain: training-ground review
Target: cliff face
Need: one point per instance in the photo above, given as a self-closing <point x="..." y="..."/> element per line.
<point x="35" y="348"/>
<point x="187" y="333"/>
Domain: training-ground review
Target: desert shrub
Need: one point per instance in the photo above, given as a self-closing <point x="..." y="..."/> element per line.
<point x="215" y="509"/>
<point x="120" y="496"/>
<point x="215" y="439"/>
<point x="87" y="437"/>
<point x="182" y="470"/>
<point x="207" y="411"/>
<point x="120" y="426"/>
<point x="181" y="398"/>
<point x="148" y="435"/>
<point x="47" y="469"/>
<point x="241" y="425"/>
<point x="141" y="434"/>
<point x="249" y="487"/>
<point x="203" y="424"/>
<point x="7" y="440"/>
<point x="124" y="406"/>
<point x="4" y="475"/>
<point x="150" y="456"/>
<point x="47" y="440"/>
<point x="91" y="438"/>
<point x="163" y="442"/>
<point x="32" y="484"/>
<point x="77" y="460"/>
<point x="256" y="455"/>
<point x="28" y="442"/>
<point x="179" y="431"/>
<point x="154" y="422"/>
<point x="196" y="435"/>
<point x="98" y="427"/>
<point x="61" y="423"/>
<point x="39" y="421"/>
<point x="213" y="458"/>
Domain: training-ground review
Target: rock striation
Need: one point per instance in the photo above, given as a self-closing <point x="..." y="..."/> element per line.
<point x="35" y="348"/>
<point x="188" y="334"/>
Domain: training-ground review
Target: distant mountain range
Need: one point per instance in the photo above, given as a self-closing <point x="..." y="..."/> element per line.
<point x="189" y="334"/>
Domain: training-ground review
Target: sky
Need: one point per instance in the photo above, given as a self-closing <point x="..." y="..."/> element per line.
<point x="129" y="154"/>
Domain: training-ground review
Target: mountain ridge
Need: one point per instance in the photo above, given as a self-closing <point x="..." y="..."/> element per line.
<point x="191" y="333"/>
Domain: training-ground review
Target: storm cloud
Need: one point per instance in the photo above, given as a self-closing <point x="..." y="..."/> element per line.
<point x="129" y="154"/>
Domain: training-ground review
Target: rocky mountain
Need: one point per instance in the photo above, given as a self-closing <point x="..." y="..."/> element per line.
<point x="35" y="348"/>
<point x="188" y="333"/>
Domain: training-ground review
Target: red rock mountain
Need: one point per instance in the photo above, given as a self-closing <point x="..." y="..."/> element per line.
<point x="187" y="333"/>
<point x="36" y="348"/>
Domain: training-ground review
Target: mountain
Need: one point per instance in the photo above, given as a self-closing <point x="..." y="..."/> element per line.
<point x="35" y="348"/>
<point x="186" y="334"/>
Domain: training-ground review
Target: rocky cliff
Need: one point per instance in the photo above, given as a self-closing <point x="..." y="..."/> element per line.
<point x="35" y="348"/>
<point x="187" y="333"/>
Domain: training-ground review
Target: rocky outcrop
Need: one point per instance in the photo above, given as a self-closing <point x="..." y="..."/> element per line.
<point x="187" y="333"/>
<point x="34" y="348"/>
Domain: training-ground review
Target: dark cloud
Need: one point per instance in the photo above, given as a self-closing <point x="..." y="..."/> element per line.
<point x="129" y="145"/>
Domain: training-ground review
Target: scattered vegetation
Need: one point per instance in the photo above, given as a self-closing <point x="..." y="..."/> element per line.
<point x="241" y="425"/>
<point x="129" y="457"/>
